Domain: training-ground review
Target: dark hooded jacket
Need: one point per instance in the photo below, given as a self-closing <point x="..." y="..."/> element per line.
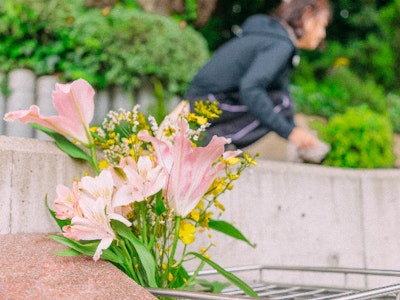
<point x="257" y="62"/>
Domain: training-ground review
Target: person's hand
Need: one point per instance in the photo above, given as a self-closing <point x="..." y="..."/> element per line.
<point x="303" y="138"/>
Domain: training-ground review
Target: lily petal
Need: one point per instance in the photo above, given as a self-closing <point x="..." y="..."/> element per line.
<point x="75" y="104"/>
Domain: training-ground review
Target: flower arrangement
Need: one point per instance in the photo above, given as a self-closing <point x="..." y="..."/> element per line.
<point x="152" y="187"/>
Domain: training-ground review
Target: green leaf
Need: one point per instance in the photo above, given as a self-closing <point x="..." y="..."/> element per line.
<point x="144" y="255"/>
<point x="213" y="286"/>
<point x="228" y="275"/>
<point x="160" y="206"/>
<point x="88" y="248"/>
<point x="64" y="144"/>
<point x="68" y="252"/>
<point x="180" y="277"/>
<point x="60" y="223"/>
<point x="228" y="229"/>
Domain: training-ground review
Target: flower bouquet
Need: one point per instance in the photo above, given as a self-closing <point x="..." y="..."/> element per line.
<point x="151" y="189"/>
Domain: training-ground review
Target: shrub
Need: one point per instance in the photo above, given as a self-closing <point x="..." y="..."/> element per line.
<point x="394" y="111"/>
<point x="340" y="89"/>
<point x="117" y="47"/>
<point x="389" y="21"/>
<point x="133" y="45"/>
<point x="34" y="35"/>
<point x="360" y="138"/>
<point x="357" y="90"/>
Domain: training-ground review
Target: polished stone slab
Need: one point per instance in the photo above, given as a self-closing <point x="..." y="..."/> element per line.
<point x="29" y="269"/>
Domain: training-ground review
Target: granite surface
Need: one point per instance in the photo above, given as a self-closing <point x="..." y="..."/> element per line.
<point x="29" y="269"/>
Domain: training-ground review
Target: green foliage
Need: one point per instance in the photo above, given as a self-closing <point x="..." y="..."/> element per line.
<point x="228" y="275"/>
<point x="365" y="40"/>
<point x="34" y="35"/>
<point x="394" y="111"/>
<point x="358" y="91"/>
<point x="230" y="14"/>
<point x="353" y="20"/>
<point x="228" y="229"/>
<point x="122" y="47"/>
<point x="133" y="45"/>
<point x="389" y="21"/>
<point x="340" y="89"/>
<point x="190" y="12"/>
<point x="360" y="138"/>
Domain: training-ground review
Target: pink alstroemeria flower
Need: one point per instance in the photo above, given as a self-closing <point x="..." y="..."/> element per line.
<point x="143" y="180"/>
<point x="75" y="105"/>
<point x="67" y="203"/>
<point x="94" y="224"/>
<point x="191" y="170"/>
<point x="101" y="186"/>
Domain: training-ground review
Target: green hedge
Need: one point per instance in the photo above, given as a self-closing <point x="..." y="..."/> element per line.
<point x="360" y="138"/>
<point x="121" y="47"/>
<point x="340" y="88"/>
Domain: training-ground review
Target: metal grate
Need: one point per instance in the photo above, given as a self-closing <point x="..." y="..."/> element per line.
<point x="284" y="291"/>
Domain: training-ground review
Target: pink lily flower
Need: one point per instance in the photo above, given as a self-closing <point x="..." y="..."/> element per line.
<point x="143" y="180"/>
<point x="191" y="170"/>
<point x="181" y="110"/>
<point x="75" y="105"/>
<point x="94" y="224"/>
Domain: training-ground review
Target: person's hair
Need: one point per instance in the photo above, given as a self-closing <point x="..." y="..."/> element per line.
<point x="291" y="11"/>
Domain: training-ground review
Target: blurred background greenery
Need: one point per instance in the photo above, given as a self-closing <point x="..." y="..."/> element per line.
<point x="124" y="43"/>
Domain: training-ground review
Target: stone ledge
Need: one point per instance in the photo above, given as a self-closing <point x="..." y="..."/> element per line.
<point x="31" y="270"/>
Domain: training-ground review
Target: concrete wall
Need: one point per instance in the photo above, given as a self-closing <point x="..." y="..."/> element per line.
<point x="30" y="170"/>
<point x="301" y="215"/>
<point x="297" y="214"/>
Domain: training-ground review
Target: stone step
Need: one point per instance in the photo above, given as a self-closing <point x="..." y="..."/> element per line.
<point x="31" y="270"/>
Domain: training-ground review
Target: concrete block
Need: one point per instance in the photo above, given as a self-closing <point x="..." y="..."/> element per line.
<point x="33" y="172"/>
<point x="120" y="99"/>
<point x="381" y="206"/>
<point x="22" y="85"/>
<point x="102" y="106"/>
<point x="5" y="184"/>
<point x="145" y="98"/>
<point x="45" y="86"/>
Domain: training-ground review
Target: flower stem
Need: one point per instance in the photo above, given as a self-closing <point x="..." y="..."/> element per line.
<point x="153" y="236"/>
<point x="195" y="274"/>
<point x="93" y="155"/>
<point x="176" y="237"/>
<point x="143" y="227"/>
<point x="129" y="266"/>
<point x="174" y="244"/>
<point x="172" y="253"/>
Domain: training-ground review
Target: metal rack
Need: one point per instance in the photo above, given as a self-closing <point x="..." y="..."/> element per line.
<point x="284" y="291"/>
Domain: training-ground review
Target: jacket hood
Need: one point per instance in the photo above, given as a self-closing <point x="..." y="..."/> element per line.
<point x="262" y="24"/>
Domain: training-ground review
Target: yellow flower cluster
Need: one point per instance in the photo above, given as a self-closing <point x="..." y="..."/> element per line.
<point x="207" y="109"/>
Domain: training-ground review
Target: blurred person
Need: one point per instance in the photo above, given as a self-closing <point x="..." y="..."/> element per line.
<point x="249" y="76"/>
